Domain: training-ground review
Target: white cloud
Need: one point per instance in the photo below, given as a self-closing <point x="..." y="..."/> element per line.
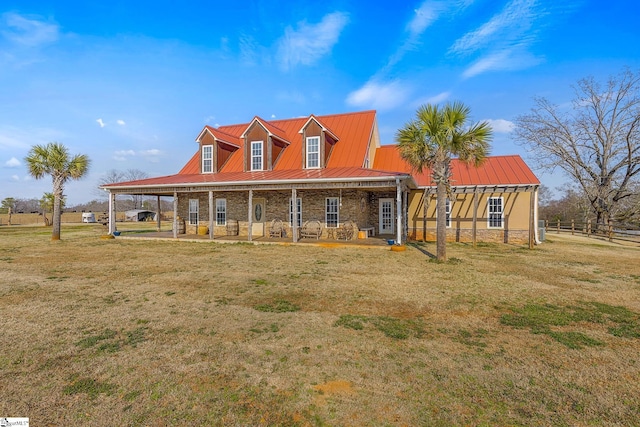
<point x="100" y="122"/>
<point x="15" y="178"/>
<point x="12" y="163"/>
<point x="379" y="96"/>
<point x="309" y="42"/>
<point x="122" y="155"/>
<point x="501" y="125"/>
<point x="502" y="60"/>
<point x="273" y="116"/>
<point x="29" y="32"/>
<point x="151" y="155"/>
<point x="435" y="99"/>
<point x="121" y="122"/>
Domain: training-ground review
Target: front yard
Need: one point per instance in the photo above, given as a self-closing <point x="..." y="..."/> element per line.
<point x="143" y="332"/>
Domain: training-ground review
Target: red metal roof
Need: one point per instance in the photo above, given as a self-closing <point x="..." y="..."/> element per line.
<point x="353" y="129"/>
<point x="294" y="175"/>
<point x="346" y="161"/>
<point x="495" y="170"/>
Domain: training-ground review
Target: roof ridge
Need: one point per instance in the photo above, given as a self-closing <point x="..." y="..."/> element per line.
<point x="299" y="118"/>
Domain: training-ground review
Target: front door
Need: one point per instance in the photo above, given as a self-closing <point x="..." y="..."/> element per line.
<point x="386" y="216"/>
<point x="257" y="229"/>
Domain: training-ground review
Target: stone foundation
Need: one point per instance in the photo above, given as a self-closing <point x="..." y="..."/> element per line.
<point x="465" y="235"/>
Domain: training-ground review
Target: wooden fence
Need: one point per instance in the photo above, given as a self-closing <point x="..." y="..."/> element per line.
<point x="610" y="231"/>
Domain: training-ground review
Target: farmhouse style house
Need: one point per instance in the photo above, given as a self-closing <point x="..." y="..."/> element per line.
<point x="332" y="170"/>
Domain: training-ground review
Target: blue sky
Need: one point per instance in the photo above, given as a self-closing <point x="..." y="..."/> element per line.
<point x="132" y="83"/>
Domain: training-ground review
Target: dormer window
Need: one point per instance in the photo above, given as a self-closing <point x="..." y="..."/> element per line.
<point x="313" y="152"/>
<point x="256" y="156"/>
<point x="207" y="158"/>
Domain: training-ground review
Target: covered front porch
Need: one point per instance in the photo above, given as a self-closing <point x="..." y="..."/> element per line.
<point x="375" y="208"/>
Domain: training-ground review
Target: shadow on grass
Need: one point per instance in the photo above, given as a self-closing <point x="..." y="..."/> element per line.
<point x="421" y="249"/>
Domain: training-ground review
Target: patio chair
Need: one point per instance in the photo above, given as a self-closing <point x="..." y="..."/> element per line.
<point x="311" y="229"/>
<point x="346" y="231"/>
<point x="276" y="229"/>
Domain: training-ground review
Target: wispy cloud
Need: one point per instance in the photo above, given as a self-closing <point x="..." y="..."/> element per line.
<point x="503" y="41"/>
<point x="12" y="163"/>
<point x="510" y="26"/>
<point x="101" y="123"/>
<point x="27" y="31"/>
<point x="15" y="178"/>
<point x="309" y="42"/>
<point x="121" y="122"/>
<point x="423" y="17"/>
<point x="516" y="58"/>
<point x="501" y="125"/>
<point x="378" y="95"/>
<point x="122" y="155"/>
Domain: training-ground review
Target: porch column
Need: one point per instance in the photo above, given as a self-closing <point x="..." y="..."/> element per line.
<point x="294" y="221"/>
<point x="112" y="212"/>
<point x="250" y="231"/>
<point x="398" y="212"/>
<point x="532" y="219"/>
<point x="210" y="214"/>
<point x="425" y="209"/>
<point x="158" y="214"/>
<point x="175" y="214"/>
<point x="474" y="224"/>
<point x="405" y="216"/>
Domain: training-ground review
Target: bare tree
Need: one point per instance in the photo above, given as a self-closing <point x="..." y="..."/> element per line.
<point x="596" y="142"/>
<point x="113" y="176"/>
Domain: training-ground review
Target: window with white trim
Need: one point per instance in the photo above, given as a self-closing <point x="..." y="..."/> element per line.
<point x="299" y="212"/>
<point x="207" y="158"/>
<point x="221" y="211"/>
<point x="495" y="212"/>
<point x="256" y="155"/>
<point x="313" y="152"/>
<point x="194" y="207"/>
<point x="331" y="212"/>
<point x="448" y="210"/>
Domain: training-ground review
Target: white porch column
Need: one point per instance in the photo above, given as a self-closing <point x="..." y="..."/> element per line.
<point x="294" y="223"/>
<point x="158" y="214"/>
<point x="175" y="214"/>
<point x="249" y="231"/>
<point x="211" y="214"/>
<point x="398" y="212"/>
<point x="112" y="212"/>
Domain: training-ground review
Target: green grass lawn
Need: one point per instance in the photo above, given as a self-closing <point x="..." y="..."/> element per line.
<point x="142" y="332"/>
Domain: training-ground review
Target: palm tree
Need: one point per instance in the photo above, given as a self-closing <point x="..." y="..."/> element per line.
<point x="54" y="159"/>
<point x="431" y="140"/>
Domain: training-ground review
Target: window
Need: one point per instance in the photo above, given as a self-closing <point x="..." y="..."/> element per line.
<point x="221" y="211"/>
<point x="331" y="212"/>
<point x="207" y="158"/>
<point x="448" y="208"/>
<point x="495" y="212"/>
<point x="256" y="155"/>
<point x="313" y="152"/>
<point x="193" y="211"/>
<point x="299" y="208"/>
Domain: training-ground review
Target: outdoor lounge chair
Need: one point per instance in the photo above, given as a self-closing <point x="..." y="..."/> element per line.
<point x="346" y="231"/>
<point x="276" y="229"/>
<point x="311" y="229"/>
